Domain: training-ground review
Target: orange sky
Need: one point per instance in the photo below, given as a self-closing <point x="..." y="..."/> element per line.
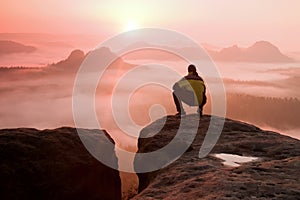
<point x="217" y="22"/>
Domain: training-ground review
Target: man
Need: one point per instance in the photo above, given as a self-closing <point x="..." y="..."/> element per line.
<point x="190" y="90"/>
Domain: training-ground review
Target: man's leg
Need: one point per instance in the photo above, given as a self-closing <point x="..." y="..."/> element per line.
<point x="178" y="104"/>
<point x="200" y="111"/>
<point x="200" y="107"/>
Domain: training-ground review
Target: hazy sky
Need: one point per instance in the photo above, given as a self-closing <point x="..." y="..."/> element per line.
<point x="217" y="22"/>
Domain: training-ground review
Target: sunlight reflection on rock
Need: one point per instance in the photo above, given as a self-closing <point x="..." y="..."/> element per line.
<point x="234" y="160"/>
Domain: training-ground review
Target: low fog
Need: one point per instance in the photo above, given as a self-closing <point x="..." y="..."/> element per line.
<point x="42" y="97"/>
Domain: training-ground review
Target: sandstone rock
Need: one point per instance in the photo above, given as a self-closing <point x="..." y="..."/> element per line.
<point x="273" y="176"/>
<point x="53" y="164"/>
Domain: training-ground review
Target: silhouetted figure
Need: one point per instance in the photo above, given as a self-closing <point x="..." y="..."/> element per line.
<point x="190" y="90"/>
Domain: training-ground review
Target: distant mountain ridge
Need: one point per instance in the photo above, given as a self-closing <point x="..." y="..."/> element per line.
<point x="261" y="51"/>
<point x="10" y="47"/>
<point x="76" y="57"/>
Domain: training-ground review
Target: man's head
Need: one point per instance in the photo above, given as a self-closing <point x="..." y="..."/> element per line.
<point x="192" y="68"/>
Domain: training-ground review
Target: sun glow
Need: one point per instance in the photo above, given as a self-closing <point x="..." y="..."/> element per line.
<point x="131" y="25"/>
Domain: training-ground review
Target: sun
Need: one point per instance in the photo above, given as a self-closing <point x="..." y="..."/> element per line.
<point x="130" y="25"/>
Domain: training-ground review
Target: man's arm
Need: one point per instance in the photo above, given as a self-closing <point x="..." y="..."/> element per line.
<point x="176" y="86"/>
